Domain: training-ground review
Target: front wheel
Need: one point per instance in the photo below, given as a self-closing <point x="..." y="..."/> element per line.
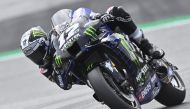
<point x="172" y="93"/>
<point x="111" y="96"/>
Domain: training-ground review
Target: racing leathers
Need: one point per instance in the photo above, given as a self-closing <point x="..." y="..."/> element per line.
<point x="56" y="64"/>
<point x="124" y="21"/>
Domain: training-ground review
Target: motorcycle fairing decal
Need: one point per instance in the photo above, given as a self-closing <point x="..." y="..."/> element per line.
<point x="37" y="33"/>
<point x="128" y="48"/>
<point x="150" y="90"/>
<point x="142" y="76"/>
<point x="91" y="33"/>
<point x="113" y="44"/>
<point x="72" y="35"/>
<point x="145" y="91"/>
<point x="89" y="67"/>
<point x="156" y="86"/>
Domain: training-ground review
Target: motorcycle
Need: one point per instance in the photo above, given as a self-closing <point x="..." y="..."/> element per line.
<point x="121" y="76"/>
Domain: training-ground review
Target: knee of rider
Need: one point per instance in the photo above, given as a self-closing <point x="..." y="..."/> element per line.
<point x="117" y="11"/>
<point x="137" y="36"/>
<point x="110" y="9"/>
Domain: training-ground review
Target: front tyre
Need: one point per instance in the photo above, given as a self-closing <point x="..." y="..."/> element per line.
<point x="172" y="93"/>
<point x="108" y="94"/>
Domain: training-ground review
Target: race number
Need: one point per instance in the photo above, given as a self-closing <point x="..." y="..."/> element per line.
<point x="68" y="37"/>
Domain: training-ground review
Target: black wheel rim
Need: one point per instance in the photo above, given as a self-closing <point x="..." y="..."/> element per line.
<point x="177" y="82"/>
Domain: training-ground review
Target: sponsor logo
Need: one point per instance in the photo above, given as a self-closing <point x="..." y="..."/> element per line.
<point x="123" y="19"/>
<point x="145" y="91"/>
<point x="72" y="34"/>
<point x="141" y="76"/>
<point x="89" y="67"/>
<point x="70" y="42"/>
<point x="60" y="81"/>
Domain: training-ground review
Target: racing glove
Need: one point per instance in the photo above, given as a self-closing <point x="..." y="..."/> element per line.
<point x="58" y="60"/>
<point x="107" y="18"/>
<point x="60" y="57"/>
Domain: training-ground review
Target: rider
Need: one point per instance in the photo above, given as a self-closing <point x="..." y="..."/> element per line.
<point x="43" y="48"/>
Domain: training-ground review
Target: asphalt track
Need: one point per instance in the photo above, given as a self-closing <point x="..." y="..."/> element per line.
<point x="22" y="87"/>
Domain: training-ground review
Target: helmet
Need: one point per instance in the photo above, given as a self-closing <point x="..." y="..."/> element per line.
<point x="34" y="44"/>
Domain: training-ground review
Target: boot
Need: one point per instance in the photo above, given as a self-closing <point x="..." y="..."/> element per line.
<point x="148" y="49"/>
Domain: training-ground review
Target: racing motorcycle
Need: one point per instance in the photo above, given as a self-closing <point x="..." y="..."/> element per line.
<point x="121" y="76"/>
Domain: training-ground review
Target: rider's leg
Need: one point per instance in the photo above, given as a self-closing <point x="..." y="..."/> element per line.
<point x="126" y="24"/>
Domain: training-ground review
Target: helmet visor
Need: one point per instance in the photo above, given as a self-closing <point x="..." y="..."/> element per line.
<point x="38" y="55"/>
<point x="36" y="50"/>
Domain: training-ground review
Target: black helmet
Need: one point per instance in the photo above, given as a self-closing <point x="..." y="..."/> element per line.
<point x="34" y="44"/>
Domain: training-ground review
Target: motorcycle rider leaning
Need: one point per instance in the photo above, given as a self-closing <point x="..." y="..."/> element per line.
<point x="43" y="49"/>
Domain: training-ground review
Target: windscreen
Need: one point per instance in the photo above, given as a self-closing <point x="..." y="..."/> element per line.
<point x="64" y="15"/>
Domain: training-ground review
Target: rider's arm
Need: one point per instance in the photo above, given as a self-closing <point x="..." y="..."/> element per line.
<point x="59" y="65"/>
<point x="47" y="72"/>
<point x="59" y="54"/>
<point x="57" y="76"/>
<point x="126" y="23"/>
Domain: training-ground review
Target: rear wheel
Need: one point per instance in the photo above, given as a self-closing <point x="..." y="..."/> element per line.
<point x="109" y="92"/>
<point x="172" y="93"/>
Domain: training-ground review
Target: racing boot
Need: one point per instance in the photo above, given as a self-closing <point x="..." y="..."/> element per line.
<point x="149" y="50"/>
<point x="127" y="25"/>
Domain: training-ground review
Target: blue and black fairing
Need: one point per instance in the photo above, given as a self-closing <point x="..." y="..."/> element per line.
<point x="149" y="90"/>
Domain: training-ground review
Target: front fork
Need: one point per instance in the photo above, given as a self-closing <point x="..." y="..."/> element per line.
<point x="117" y="76"/>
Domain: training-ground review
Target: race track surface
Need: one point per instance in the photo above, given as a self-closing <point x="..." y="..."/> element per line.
<point x="22" y="87"/>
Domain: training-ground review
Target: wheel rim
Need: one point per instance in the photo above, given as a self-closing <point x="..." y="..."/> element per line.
<point x="177" y="83"/>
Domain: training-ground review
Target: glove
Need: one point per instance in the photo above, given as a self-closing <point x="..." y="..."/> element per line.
<point x="59" y="57"/>
<point x="107" y="18"/>
<point x="91" y="33"/>
<point x="58" y="61"/>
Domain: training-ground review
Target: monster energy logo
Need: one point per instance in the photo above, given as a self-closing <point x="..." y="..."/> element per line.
<point x="91" y="32"/>
<point x="37" y="33"/>
<point x="128" y="48"/>
<point x="89" y="67"/>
